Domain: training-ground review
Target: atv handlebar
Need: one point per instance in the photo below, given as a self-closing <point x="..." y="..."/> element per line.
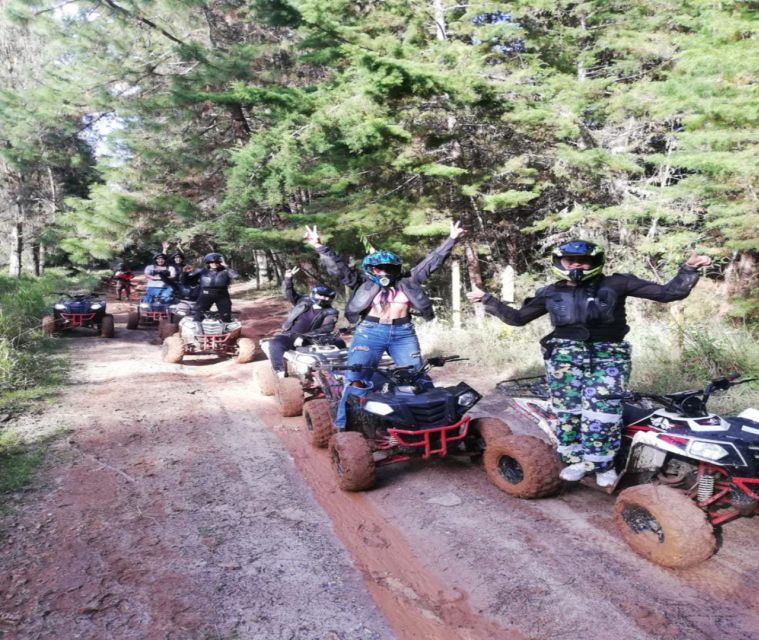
<point x="690" y="403"/>
<point x="407" y="374"/>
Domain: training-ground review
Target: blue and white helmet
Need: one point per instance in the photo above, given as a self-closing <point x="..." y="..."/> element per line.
<point x="388" y="262"/>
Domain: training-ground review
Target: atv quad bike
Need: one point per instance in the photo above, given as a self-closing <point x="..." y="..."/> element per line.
<point x="403" y="416"/>
<point x="79" y="309"/>
<point x="169" y="325"/>
<point x="217" y="338"/>
<point x="682" y="470"/>
<point x="148" y="313"/>
<point x="299" y="383"/>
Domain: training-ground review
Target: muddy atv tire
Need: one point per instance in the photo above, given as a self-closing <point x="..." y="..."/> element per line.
<point x="289" y="397"/>
<point x="48" y="325"/>
<point x="319" y="425"/>
<point x="352" y="461"/>
<point x="167" y="328"/>
<point x="133" y="320"/>
<point x="522" y="466"/>
<point x="246" y="350"/>
<point x="266" y="379"/>
<point x="664" y="526"/>
<point x="173" y="349"/>
<point x="106" y="326"/>
<point x="487" y="429"/>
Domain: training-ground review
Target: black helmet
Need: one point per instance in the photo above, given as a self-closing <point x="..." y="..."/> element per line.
<point x="120" y="266"/>
<point x="158" y="255"/>
<point x="580" y="249"/>
<point x="323" y="291"/>
<point x="212" y="257"/>
<point x="323" y="295"/>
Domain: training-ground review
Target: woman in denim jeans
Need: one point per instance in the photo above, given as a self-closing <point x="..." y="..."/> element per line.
<point x="586" y="355"/>
<point x="381" y="300"/>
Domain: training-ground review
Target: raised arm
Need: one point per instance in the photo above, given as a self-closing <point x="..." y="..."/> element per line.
<point x="335" y="265"/>
<point x="531" y="309"/>
<point x="676" y="289"/>
<point x="436" y="258"/>
<point x="288" y="287"/>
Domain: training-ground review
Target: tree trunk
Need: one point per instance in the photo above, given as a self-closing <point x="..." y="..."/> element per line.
<point x="475" y="277"/>
<point x="17" y="244"/>
<point x="507" y="284"/>
<point x="456" y="294"/>
<point x="38" y="257"/>
<point x="473" y="265"/>
<point x="257" y="262"/>
<point x="438" y="16"/>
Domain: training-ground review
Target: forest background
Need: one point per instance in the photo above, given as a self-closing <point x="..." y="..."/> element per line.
<point x="228" y="125"/>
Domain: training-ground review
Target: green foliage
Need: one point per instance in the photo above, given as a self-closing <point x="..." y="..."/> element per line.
<point x="631" y="121"/>
<point x="26" y="359"/>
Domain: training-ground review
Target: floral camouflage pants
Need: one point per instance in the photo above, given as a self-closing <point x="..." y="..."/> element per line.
<point x="579" y="374"/>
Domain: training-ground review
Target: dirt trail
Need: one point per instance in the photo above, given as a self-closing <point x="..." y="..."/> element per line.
<point x="178" y="506"/>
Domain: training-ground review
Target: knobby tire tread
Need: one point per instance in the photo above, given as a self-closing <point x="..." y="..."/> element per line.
<point x="289" y="397"/>
<point x="688" y="535"/>
<point x="537" y="459"/>
<point x="352" y="461"/>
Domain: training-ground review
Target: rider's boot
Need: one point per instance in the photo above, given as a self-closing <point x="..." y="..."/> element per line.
<point x="606" y="478"/>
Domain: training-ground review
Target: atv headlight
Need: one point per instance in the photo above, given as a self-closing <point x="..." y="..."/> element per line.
<point x="467" y="399"/>
<point x="380" y="408"/>
<point x="95" y="306"/>
<point x="144" y="305"/>
<point x="708" y="450"/>
<point x="60" y="306"/>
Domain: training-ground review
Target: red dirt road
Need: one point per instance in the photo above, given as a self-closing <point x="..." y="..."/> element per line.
<point x="180" y="505"/>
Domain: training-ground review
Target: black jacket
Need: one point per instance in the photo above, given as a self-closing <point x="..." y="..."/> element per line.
<point x="324" y="321"/>
<point x="593" y="310"/>
<point x="208" y="278"/>
<point x="364" y="290"/>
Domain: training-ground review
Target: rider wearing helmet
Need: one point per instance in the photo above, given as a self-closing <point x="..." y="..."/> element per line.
<point x="213" y="280"/>
<point x="383" y="295"/>
<point x="311" y="314"/>
<point x="158" y="274"/>
<point x="586" y="355"/>
<point x="176" y="261"/>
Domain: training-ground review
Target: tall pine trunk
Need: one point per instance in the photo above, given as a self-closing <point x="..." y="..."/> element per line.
<point x="17" y="244"/>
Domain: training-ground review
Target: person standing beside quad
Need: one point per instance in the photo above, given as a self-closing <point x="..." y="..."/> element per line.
<point x="123" y="276"/>
<point x="586" y="356"/>
<point x="310" y="314"/>
<point x="382" y="298"/>
<point x="213" y="280"/>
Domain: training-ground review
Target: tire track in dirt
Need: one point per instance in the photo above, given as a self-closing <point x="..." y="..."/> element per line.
<point x="416" y="602"/>
<point x="164" y="515"/>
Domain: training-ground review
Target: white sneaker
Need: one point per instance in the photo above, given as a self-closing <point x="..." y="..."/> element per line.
<point x="281" y="374"/>
<point x="574" y="472"/>
<point x="606" y="478"/>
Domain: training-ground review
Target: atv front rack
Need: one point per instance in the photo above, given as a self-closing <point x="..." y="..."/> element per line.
<point x="154" y="316"/>
<point x="435" y="440"/>
<point x="77" y="319"/>
<point x="218" y="342"/>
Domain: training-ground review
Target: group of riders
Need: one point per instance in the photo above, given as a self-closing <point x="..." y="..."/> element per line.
<point x="587" y="359"/>
<point x="169" y="278"/>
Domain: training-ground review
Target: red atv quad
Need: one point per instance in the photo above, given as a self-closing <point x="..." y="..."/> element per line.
<point x="75" y="310"/>
<point x="404" y="416"/>
<point x="682" y="470"/>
